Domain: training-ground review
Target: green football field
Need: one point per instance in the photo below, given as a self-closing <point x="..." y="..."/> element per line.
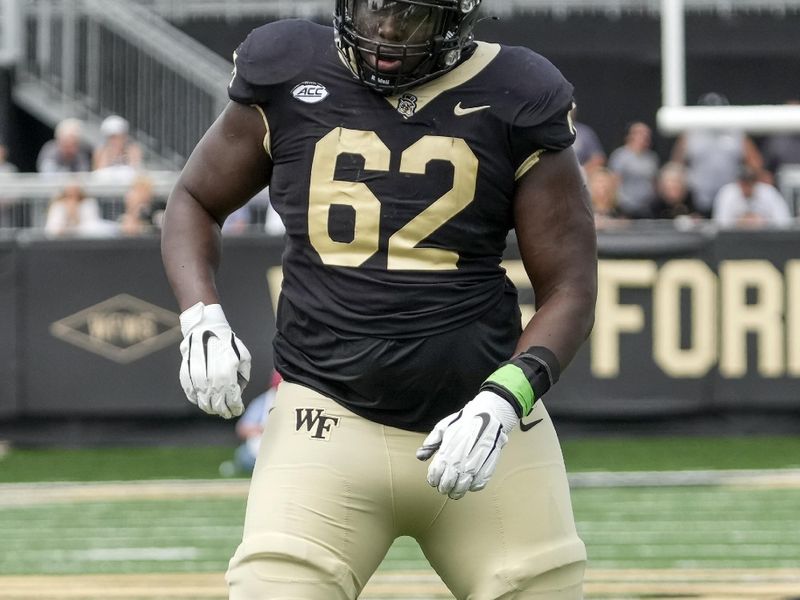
<point x="661" y="518"/>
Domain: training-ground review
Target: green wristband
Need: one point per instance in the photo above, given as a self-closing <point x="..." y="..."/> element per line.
<point x="513" y="379"/>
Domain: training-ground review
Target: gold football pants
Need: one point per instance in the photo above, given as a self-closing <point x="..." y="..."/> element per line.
<point x="331" y="491"/>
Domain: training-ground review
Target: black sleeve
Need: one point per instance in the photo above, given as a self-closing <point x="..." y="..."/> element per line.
<point x="240" y="89"/>
<point x="556" y="133"/>
<point x="544" y="100"/>
<point x="269" y="56"/>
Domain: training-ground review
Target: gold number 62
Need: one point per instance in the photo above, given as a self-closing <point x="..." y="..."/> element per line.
<point x="326" y="191"/>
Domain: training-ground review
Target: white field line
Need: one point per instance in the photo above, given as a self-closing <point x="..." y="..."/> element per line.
<point x="419" y="585"/>
<point x="27" y="494"/>
<point x="767" y="478"/>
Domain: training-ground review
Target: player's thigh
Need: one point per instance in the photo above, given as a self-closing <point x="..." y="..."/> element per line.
<point x="516" y="539"/>
<point x="318" y="519"/>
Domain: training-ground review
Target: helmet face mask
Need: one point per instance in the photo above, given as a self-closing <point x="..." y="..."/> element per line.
<point x="392" y="46"/>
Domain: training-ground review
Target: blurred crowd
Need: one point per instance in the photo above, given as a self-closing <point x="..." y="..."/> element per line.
<point x="718" y="176"/>
<point x="117" y="160"/>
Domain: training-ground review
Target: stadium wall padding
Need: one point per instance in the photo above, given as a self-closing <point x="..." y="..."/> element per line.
<point x="8" y="329"/>
<point x="687" y="324"/>
<point x="765" y="373"/>
<point x="100" y="331"/>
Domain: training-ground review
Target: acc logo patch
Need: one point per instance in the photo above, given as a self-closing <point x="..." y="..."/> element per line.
<point x="407" y="105"/>
<point x="310" y="92"/>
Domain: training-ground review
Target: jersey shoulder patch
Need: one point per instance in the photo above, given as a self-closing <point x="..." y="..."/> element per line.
<point x="273" y="54"/>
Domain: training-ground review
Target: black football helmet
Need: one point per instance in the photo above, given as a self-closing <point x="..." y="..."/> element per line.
<point x="392" y="46"/>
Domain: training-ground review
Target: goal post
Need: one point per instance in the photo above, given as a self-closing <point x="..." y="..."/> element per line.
<point x="755" y="119"/>
<point x="675" y="117"/>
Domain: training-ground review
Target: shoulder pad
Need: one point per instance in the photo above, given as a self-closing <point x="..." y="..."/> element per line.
<point x="277" y="52"/>
<point x="536" y="89"/>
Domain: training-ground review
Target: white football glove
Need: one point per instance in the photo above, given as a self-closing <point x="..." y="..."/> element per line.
<point x="468" y="444"/>
<point x="216" y="365"/>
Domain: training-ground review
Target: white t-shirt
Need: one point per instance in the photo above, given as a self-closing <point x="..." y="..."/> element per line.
<point x="766" y="201"/>
<point x="90" y="223"/>
<point x="58" y="218"/>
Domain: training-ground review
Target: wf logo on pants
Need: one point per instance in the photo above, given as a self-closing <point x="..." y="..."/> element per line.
<point x="316" y="422"/>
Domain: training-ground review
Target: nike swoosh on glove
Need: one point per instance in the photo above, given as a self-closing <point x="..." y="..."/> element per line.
<point x="467" y="445"/>
<point x="216" y="365"/>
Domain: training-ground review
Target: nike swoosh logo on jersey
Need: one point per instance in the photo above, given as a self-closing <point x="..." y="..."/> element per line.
<point x="207" y="335"/>
<point x="529" y="426"/>
<point x="460" y="111"/>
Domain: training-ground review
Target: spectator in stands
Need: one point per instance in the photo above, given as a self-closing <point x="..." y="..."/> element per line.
<point x="249" y="428"/>
<point x="71" y="213"/>
<point x="65" y="153"/>
<point x="258" y="210"/>
<point x="117" y="149"/>
<point x="603" y="188"/>
<point x="143" y="214"/>
<point x="782" y="149"/>
<point x="713" y="156"/>
<point x="587" y="146"/>
<point x="10" y="211"/>
<point x="674" y="199"/>
<point x="749" y="203"/>
<point x="5" y="166"/>
<point x="637" y="167"/>
<point x="239" y="221"/>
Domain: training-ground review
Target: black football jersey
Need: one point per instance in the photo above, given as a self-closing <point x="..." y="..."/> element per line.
<point x="396" y="210"/>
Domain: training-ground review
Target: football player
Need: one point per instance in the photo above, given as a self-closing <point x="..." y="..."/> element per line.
<point x="399" y="153"/>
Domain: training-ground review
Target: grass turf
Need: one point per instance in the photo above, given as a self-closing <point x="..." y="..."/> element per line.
<point x="642" y="528"/>
<point x="110" y="464"/>
<point x="634" y="454"/>
<point x="682" y="453"/>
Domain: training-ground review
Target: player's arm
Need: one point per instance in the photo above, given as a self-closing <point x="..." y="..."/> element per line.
<point x="558" y="245"/>
<point x="227" y="168"/>
<point x="678" y="153"/>
<point x="557" y="242"/>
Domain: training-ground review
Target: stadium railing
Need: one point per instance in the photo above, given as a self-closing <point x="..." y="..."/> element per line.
<point x="25" y="197"/>
<point x="169" y="86"/>
<point x="788" y="182"/>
